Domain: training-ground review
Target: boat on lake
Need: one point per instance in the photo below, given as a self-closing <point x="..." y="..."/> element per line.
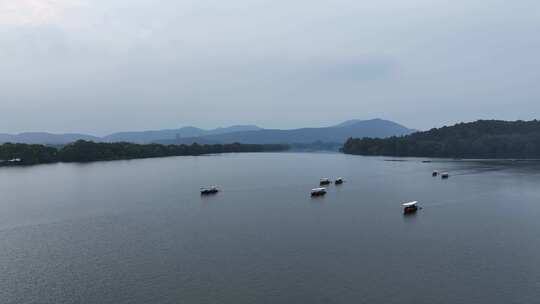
<point x="325" y="181"/>
<point x="209" y="190"/>
<point x="445" y="175"/>
<point x="339" y="181"/>
<point x="435" y="173"/>
<point x="318" y="192"/>
<point x="410" y="207"/>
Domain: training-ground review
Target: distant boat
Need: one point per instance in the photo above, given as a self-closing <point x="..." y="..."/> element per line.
<point x="410" y="207"/>
<point x="426" y="161"/>
<point x="435" y="173"/>
<point x="325" y="181"/>
<point x="209" y="190"/>
<point x="445" y="175"/>
<point x="318" y="192"/>
<point x="339" y="181"/>
<point x="11" y="161"/>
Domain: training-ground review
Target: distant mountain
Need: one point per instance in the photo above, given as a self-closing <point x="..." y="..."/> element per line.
<point x="45" y="138"/>
<point x="335" y="134"/>
<point x="153" y="136"/>
<point x="134" y="137"/>
<point x="349" y="123"/>
<point x="239" y="133"/>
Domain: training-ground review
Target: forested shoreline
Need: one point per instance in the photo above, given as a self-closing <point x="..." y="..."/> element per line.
<point x="15" y="154"/>
<point x="481" y="139"/>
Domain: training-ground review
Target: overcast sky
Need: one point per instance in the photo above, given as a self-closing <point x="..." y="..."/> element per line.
<point x="100" y="66"/>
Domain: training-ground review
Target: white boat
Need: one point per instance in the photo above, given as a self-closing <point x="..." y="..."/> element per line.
<point x="209" y="190"/>
<point x="410" y="207"/>
<point x="409" y="204"/>
<point x="318" y="191"/>
<point x="445" y="175"/>
<point x="339" y="181"/>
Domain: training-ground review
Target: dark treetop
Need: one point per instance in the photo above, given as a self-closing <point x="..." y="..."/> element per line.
<point x="87" y="151"/>
<point x="480" y="139"/>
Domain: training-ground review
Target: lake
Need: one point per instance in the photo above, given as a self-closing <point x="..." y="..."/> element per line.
<point x="138" y="231"/>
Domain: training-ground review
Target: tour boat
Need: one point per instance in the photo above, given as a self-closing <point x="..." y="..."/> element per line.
<point x="410" y="207"/>
<point x="325" y="181"/>
<point x="318" y="191"/>
<point x="339" y="181"/>
<point x="435" y="173"/>
<point x="209" y="190"/>
<point x="445" y="175"/>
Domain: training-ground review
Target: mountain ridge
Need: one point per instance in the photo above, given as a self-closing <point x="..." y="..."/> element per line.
<point x="334" y="134"/>
<point x="235" y="133"/>
<point x="189" y="131"/>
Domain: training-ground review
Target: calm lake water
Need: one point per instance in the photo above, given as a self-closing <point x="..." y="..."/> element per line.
<point x="139" y="232"/>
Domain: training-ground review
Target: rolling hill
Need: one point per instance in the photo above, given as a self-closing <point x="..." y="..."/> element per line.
<point x="251" y="134"/>
<point x="45" y="138"/>
<point x="139" y="137"/>
<point x="153" y="136"/>
<point x="335" y="134"/>
<point x="479" y="139"/>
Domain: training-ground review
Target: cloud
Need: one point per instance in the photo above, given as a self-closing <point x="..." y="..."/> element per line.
<point x="252" y="60"/>
<point x="19" y="13"/>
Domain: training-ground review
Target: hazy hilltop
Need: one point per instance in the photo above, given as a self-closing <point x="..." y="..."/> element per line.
<point x="333" y="134"/>
<point x="45" y="138"/>
<point x="152" y="136"/>
<point x="479" y="139"/>
<point x="133" y="136"/>
<point x="238" y="133"/>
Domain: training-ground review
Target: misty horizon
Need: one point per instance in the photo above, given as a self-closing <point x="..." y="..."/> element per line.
<point x="203" y="128"/>
<point x="106" y="66"/>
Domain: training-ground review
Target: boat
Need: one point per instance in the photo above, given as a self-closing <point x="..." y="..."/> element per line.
<point x="209" y="190"/>
<point x="435" y="173"/>
<point x="445" y="175"/>
<point x="410" y="207"/>
<point x="318" y="192"/>
<point x="325" y="181"/>
<point x="339" y="181"/>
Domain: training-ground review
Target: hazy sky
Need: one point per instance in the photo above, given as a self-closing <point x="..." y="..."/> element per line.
<point x="100" y="66"/>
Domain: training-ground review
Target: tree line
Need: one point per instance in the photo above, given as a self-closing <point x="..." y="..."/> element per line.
<point x="88" y="151"/>
<point x="480" y="139"/>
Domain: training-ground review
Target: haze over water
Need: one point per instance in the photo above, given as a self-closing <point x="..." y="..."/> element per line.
<point x="139" y="232"/>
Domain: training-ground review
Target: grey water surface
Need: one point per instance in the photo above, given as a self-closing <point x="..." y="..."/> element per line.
<point x="138" y="231"/>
